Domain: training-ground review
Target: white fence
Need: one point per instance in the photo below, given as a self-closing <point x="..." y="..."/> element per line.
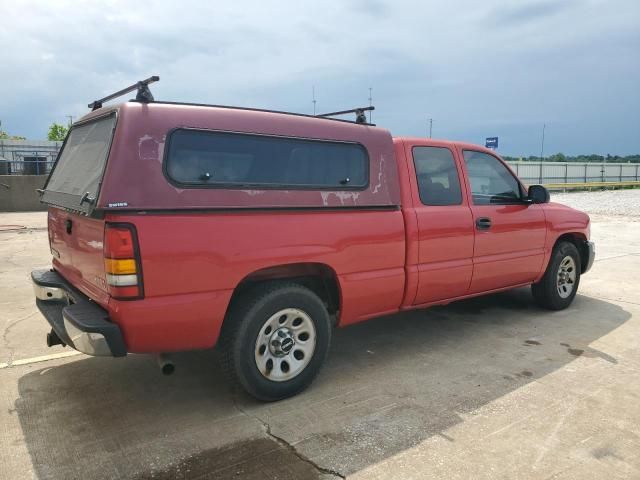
<point x="575" y="172"/>
<point x="27" y="157"/>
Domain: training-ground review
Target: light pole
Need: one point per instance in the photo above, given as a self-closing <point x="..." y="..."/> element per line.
<point x="370" y="103"/>
<point x="430" y="127"/>
<point x="313" y="99"/>
<point x="544" y="125"/>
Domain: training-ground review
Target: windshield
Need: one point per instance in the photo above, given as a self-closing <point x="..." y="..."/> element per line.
<point x="80" y="165"/>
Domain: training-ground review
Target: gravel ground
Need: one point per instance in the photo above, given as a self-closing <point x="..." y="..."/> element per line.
<point x="608" y="202"/>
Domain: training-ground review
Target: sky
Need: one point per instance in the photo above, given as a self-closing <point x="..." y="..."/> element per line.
<point x="478" y="69"/>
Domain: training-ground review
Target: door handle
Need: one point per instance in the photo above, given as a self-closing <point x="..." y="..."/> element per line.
<point x="483" y="223"/>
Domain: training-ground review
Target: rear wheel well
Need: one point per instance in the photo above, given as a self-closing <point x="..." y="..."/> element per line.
<point x="580" y="241"/>
<point x="317" y="277"/>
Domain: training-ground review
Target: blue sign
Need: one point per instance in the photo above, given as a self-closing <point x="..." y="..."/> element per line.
<point x="491" y="142"/>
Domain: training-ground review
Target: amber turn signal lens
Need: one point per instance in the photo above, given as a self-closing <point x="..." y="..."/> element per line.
<point x="120" y="266"/>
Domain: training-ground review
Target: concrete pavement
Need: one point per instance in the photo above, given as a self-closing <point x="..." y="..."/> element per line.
<point x="492" y="387"/>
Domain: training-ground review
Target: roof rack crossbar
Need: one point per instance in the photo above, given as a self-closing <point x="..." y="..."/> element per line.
<point x="144" y="94"/>
<point x="360" y="116"/>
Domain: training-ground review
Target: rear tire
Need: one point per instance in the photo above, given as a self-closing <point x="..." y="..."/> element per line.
<point x="275" y="340"/>
<point x="557" y="288"/>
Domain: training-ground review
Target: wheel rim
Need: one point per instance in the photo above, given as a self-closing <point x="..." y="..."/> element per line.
<point x="285" y="345"/>
<point x="566" y="278"/>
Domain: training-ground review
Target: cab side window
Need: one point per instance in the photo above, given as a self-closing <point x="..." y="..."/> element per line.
<point x="491" y="182"/>
<point x="437" y="175"/>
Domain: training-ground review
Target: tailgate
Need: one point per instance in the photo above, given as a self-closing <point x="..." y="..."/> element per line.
<point x="76" y="246"/>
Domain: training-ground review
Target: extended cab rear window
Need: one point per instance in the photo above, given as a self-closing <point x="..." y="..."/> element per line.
<point x="237" y="160"/>
<point x="75" y="179"/>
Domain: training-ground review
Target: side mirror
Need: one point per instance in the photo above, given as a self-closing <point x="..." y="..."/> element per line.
<point x="538" y="194"/>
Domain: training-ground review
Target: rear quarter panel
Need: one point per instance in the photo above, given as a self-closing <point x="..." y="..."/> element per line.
<point x="192" y="262"/>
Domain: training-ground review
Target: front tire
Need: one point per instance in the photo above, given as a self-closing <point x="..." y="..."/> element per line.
<point x="275" y="340"/>
<point x="557" y="288"/>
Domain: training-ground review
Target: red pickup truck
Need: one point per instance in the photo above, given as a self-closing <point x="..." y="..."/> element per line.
<point x="179" y="226"/>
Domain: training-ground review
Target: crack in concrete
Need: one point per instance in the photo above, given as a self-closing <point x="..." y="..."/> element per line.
<point x="283" y="443"/>
<point x="5" y="336"/>
<point x="21" y="229"/>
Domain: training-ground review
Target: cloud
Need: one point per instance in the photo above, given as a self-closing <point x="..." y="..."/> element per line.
<point x="375" y="8"/>
<point x="477" y="69"/>
<point x="525" y="12"/>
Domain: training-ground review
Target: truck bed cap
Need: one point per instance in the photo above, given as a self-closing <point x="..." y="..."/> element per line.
<point x="134" y="178"/>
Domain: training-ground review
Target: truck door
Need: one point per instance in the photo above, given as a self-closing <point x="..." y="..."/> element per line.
<point x="509" y="233"/>
<point x="445" y="224"/>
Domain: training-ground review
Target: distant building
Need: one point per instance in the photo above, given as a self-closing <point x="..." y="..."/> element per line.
<point x="27" y="157"/>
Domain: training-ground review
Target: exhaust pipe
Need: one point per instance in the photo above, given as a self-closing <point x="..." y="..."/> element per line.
<point x="165" y="363"/>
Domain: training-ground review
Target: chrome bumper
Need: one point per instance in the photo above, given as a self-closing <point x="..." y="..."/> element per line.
<point x="76" y="320"/>
<point x="48" y="293"/>
<point x="91" y="343"/>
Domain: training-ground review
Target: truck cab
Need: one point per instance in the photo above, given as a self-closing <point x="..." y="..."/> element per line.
<point x="477" y="228"/>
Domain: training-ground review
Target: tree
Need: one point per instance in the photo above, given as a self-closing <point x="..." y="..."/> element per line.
<point x="6" y="136"/>
<point x="558" y="157"/>
<point x="57" y="132"/>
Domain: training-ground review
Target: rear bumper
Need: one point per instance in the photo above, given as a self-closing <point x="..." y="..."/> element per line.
<point x="590" y="249"/>
<point x="78" y="321"/>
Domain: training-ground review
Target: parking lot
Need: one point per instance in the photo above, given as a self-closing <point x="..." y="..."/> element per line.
<point x="492" y="387"/>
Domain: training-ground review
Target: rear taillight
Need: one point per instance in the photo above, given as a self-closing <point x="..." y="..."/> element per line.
<point x="122" y="261"/>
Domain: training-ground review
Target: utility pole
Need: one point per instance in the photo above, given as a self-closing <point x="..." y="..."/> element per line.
<point x="313" y="97"/>
<point x="430" y="127"/>
<point x="544" y="125"/>
<point x="370" y="103"/>
<point x="70" y="117"/>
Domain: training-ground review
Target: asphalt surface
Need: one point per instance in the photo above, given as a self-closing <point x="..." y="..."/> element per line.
<point x="492" y="387"/>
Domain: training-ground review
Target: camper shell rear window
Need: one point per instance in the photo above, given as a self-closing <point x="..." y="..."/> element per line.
<point x="74" y="182"/>
<point x="201" y="159"/>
